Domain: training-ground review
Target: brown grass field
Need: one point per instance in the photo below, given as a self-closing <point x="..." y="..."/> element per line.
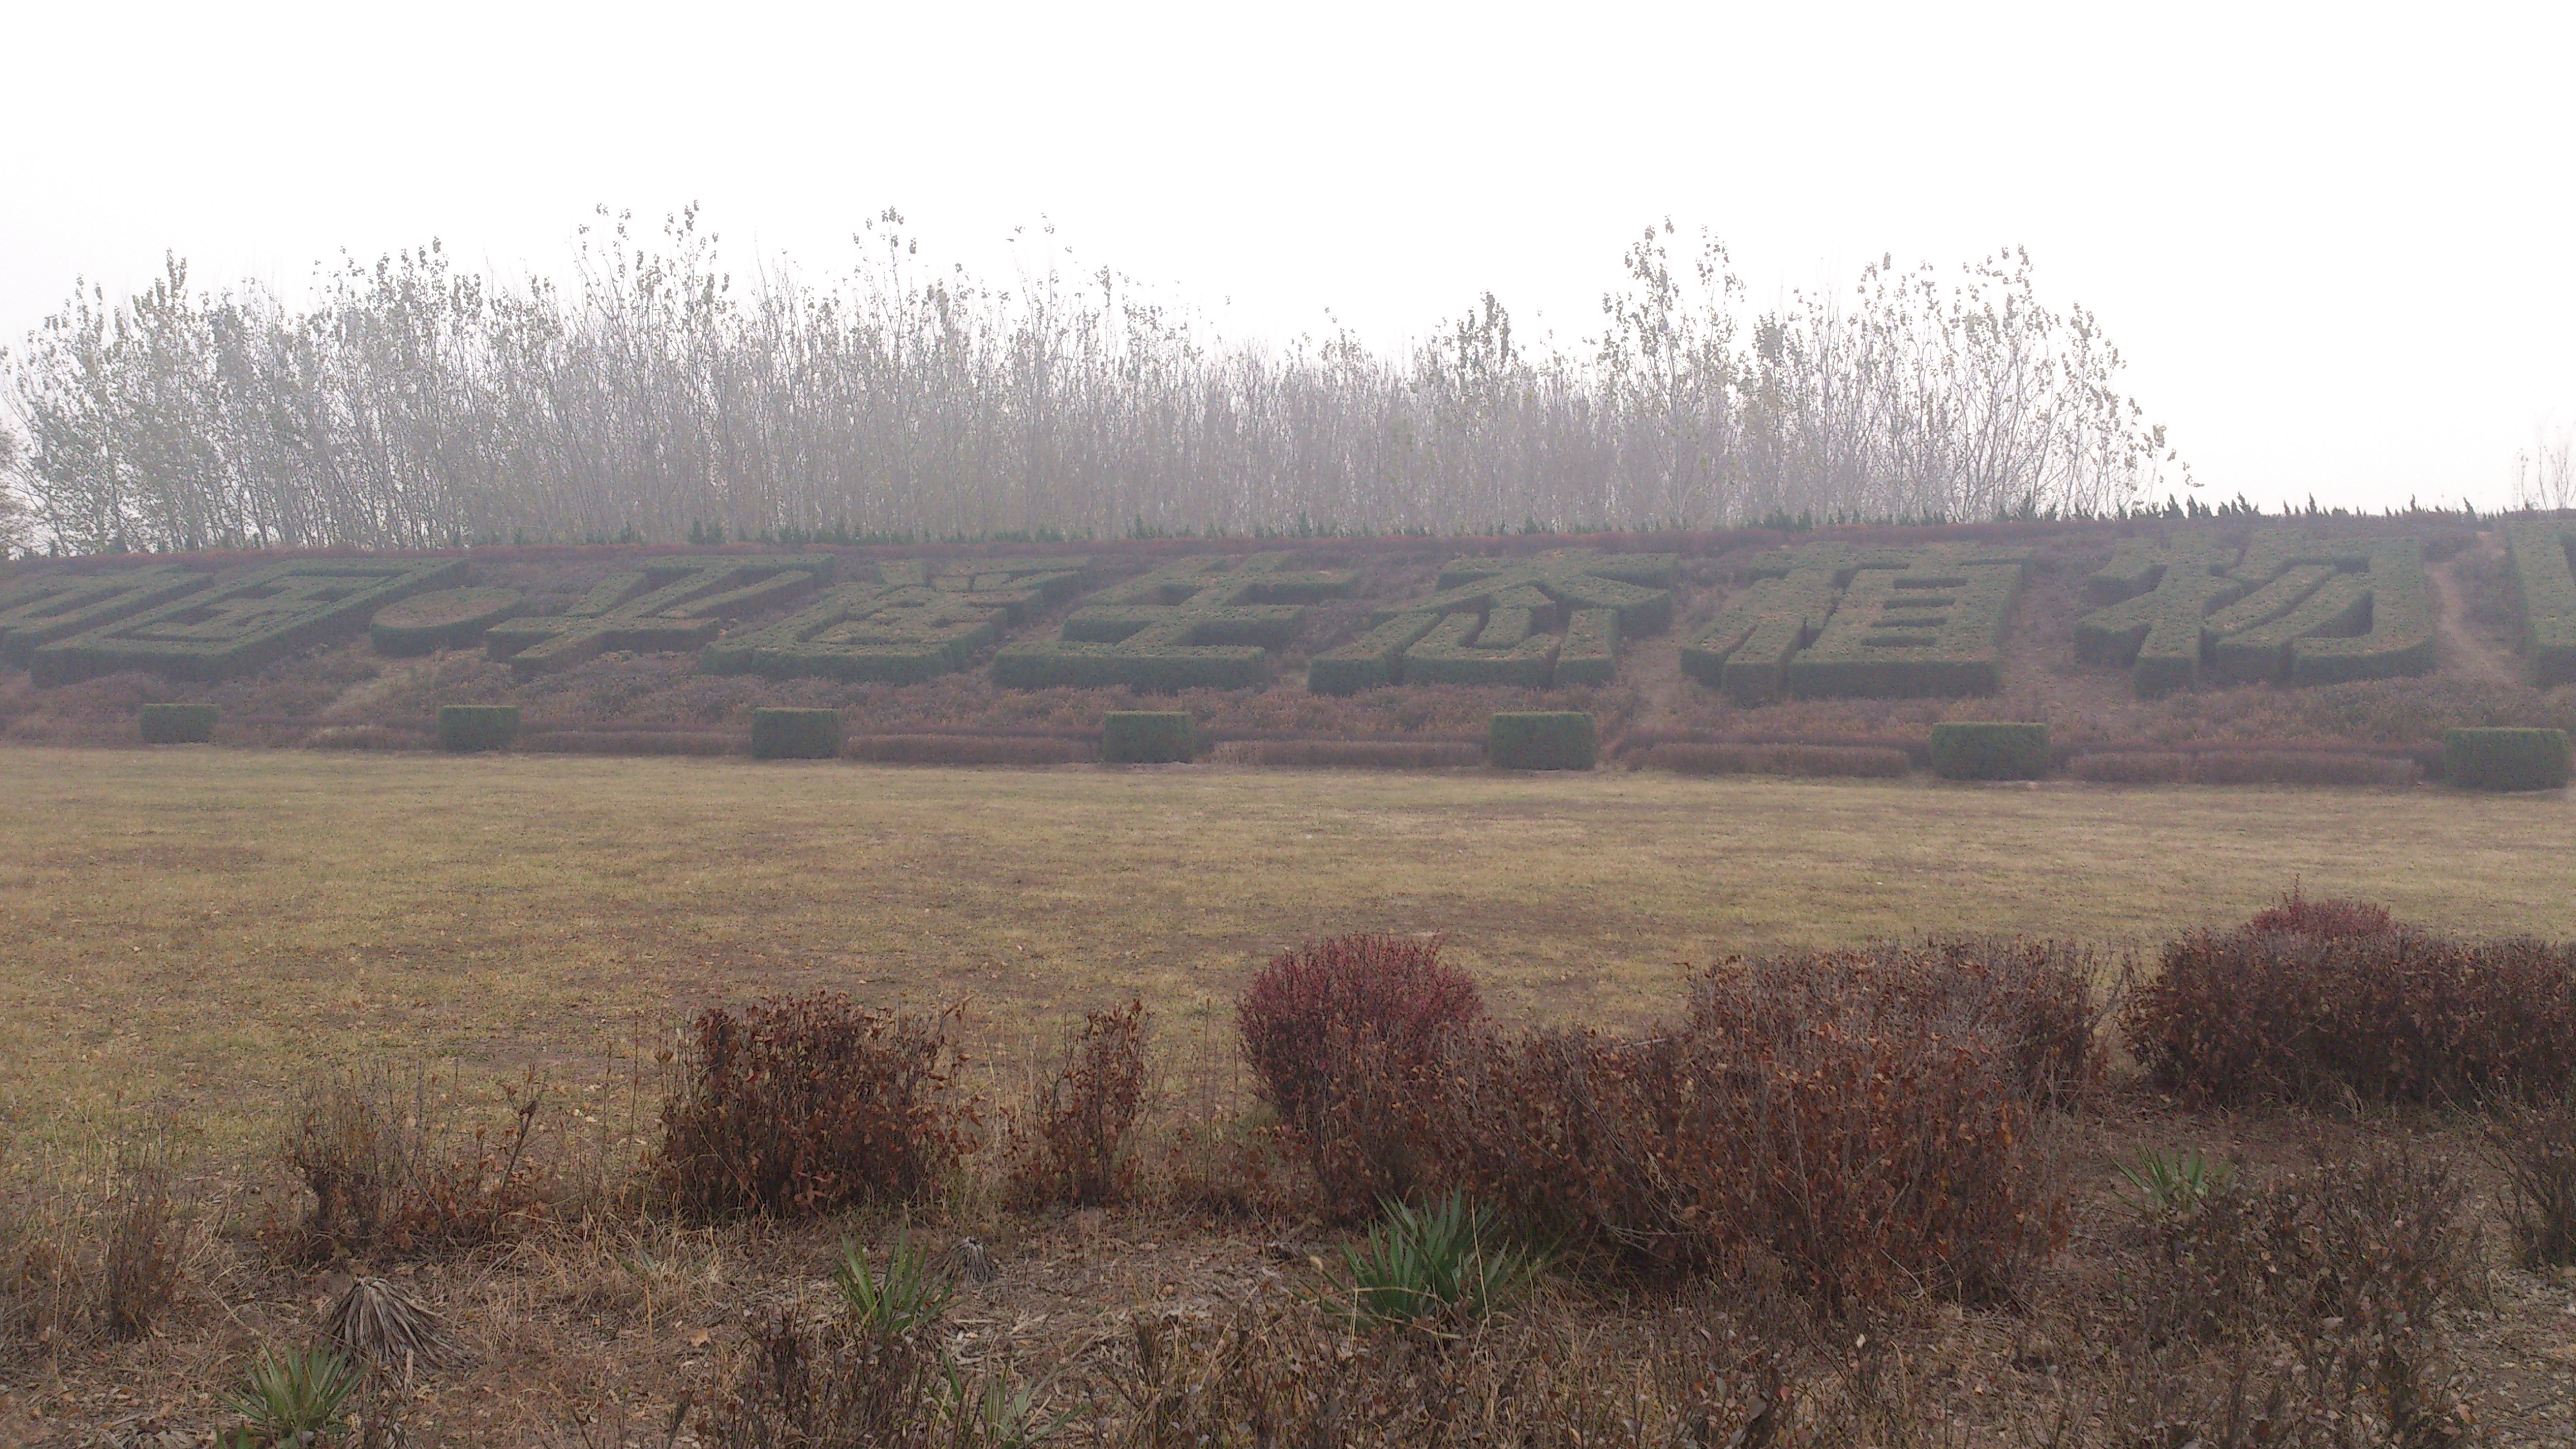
<point x="198" y="927"/>
<point x="198" y="937"/>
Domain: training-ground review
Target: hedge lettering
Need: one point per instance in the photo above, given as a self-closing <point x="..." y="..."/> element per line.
<point x="1193" y="623"/>
<point x="918" y="619"/>
<point x="240" y="626"/>
<point x="661" y="608"/>
<point x="1537" y="622"/>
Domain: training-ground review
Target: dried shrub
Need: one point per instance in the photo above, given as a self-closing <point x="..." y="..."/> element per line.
<point x="1863" y="1121"/>
<point x="1075" y="1146"/>
<point x="397" y="1169"/>
<point x="1870" y="762"/>
<point x="795" y="1387"/>
<point x="144" y="1242"/>
<point x="2340" y="1274"/>
<point x="2398" y="1016"/>
<point x="1366" y="754"/>
<point x="2131" y="767"/>
<point x="631" y="742"/>
<point x="2298" y="914"/>
<point x="967" y="750"/>
<point x="802" y="1105"/>
<point x="1345" y="1039"/>
<point x="2300" y="767"/>
<point x="2535" y="1152"/>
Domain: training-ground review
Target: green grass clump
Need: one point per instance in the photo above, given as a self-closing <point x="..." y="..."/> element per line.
<point x="299" y="1398"/>
<point x="907" y="1297"/>
<point x="471" y="728"/>
<point x="1147" y="737"/>
<point x="1541" y="741"/>
<point x="1989" y="751"/>
<point x="795" y="734"/>
<point x="1439" y="1267"/>
<point x="2505" y="759"/>
<point x="178" y="724"/>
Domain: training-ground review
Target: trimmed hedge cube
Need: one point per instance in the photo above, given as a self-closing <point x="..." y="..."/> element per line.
<point x="1147" y="737"/>
<point x="178" y="724"/>
<point x="465" y="729"/>
<point x="795" y="734"/>
<point x="1541" y="740"/>
<point x="1990" y="751"/>
<point x="2505" y="759"/>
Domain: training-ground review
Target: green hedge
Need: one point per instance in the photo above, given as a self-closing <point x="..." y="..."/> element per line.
<point x="2161" y="595"/>
<point x="444" y="619"/>
<point x="1147" y="737"/>
<point x="1541" y="741"/>
<point x="252" y="621"/>
<point x="1990" y="751"/>
<point x="1933" y="629"/>
<point x="1590" y="651"/>
<point x="2340" y="603"/>
<point x="915" y="622"/>
<point x="1203" y="622"/>
<point x="2547" y="589"/>
<point x="468" y="728"/>
<point x="1746" y="649"/>
<point x="668" y="606"/>
<point x="178" y="724"/>
<point x="1372" y="661"/>
<point x="2399" y="640"/>
<point x="1503" y="647"/>
<point x="1636" y="587"/>
<point x="40" y="610"/>
<point x="795" y="734"/>
<point x="2505" y="759"/>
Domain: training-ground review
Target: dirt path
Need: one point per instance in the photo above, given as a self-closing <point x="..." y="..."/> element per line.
<point x="2462" y="651"/>
<point x="1654" y="666"/>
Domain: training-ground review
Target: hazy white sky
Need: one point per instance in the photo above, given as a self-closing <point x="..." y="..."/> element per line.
<point x="2333" y="241"/>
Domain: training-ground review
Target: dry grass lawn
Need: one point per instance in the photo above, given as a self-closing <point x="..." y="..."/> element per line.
<point x="197" y="928"/>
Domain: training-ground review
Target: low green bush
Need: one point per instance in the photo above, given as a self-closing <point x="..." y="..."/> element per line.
<point x="1147" y="737"/>
<point x="1541" y="741"/>
<point x="178" y="724"/>
<point x="2505" y="759"/>
<point x="1934" y="628"/>
<point x="469" y="728"/>
<point x="1989" y="751"/>
<point x="446" y="619"/>
<point x="668" y="606"/>
<point x="795" y="734"/>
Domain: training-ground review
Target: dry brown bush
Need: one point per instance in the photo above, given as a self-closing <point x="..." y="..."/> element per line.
<point x="1863" y="1120"/>
<point x="397" y="1166"/>
<point x="801" y="1105"/>
<point x="1809" y="760"/>
<point x="2392" y="1016"/>
<point x="1075" y="1145"/>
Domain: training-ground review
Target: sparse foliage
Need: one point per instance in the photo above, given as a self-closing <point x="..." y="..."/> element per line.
<point x="414" y="403"/>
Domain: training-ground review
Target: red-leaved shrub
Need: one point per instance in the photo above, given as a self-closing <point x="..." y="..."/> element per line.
<point x="2393" y="1016"/>
<point x="803" y="1105"/>
<point x="1345" y="1041"/>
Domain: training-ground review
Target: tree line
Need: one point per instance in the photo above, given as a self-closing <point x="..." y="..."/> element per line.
<point x="414" y="403"/>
